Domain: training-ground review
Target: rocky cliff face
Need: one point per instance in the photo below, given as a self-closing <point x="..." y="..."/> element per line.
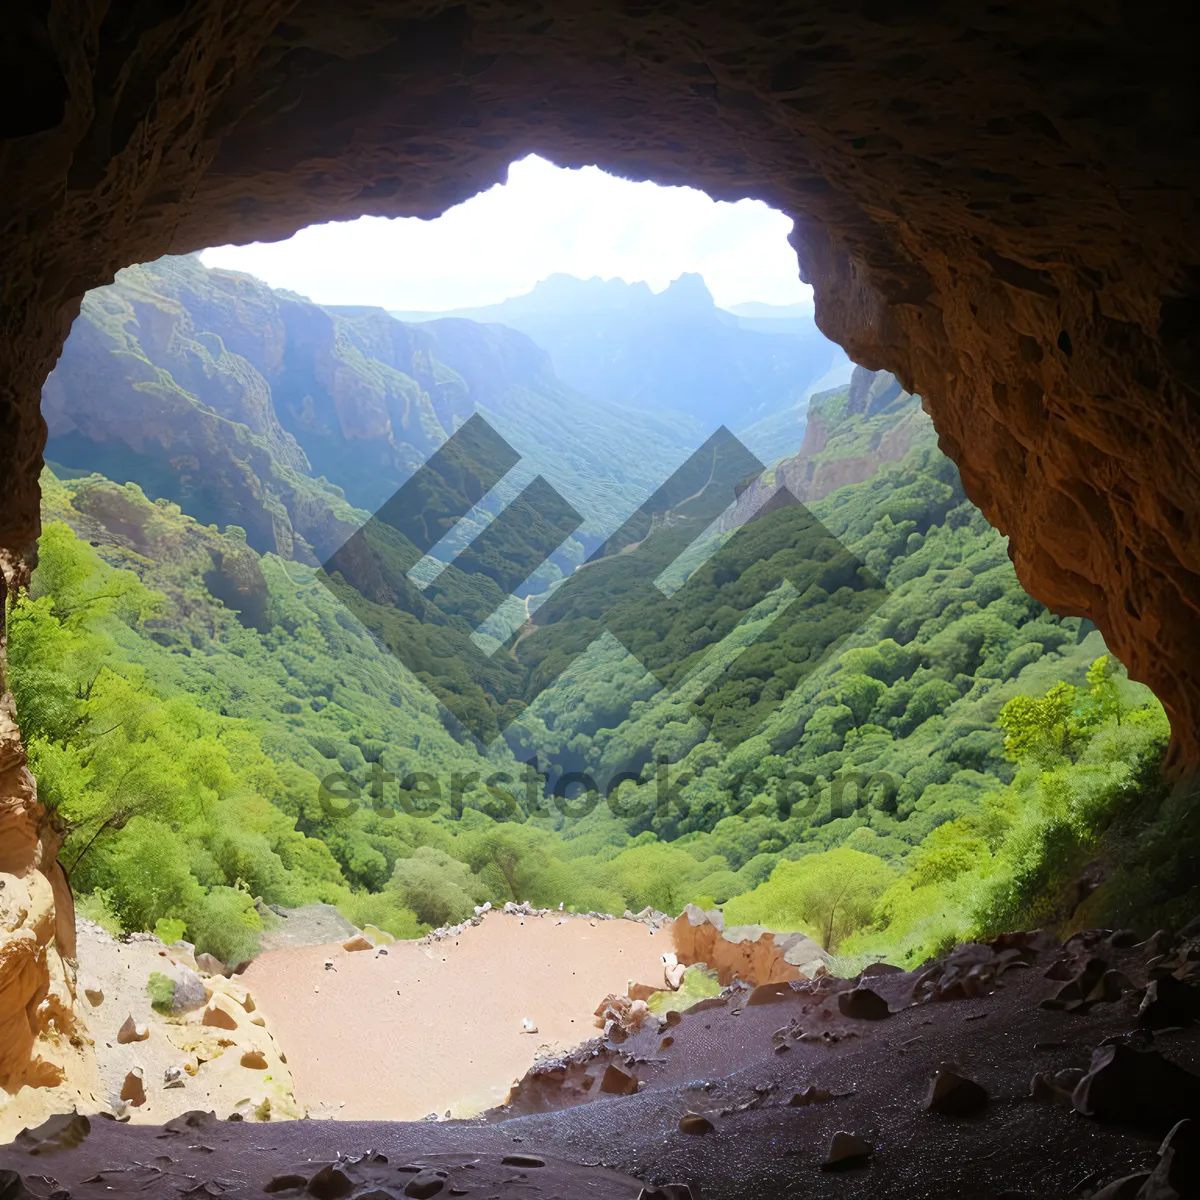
<point x="254" y="407"/>
<point x="40" y="1042"/>
<point x="851" y="432"/>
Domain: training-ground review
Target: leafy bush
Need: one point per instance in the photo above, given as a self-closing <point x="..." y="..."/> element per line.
<point x="161" y="989"/>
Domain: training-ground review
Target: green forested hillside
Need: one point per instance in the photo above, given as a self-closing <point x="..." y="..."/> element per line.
<point x="251" y="406"/>
<point x="184" y="696"/>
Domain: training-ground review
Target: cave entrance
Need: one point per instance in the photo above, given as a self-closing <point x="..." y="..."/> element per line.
<point x="504" y="603"/>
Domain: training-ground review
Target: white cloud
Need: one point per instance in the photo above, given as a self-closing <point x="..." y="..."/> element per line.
<point x="544" y="219"/>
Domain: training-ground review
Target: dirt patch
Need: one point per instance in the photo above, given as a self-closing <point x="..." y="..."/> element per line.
<point x="420" y="1028"/>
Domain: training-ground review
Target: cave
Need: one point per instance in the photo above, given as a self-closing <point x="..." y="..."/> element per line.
<point x="995" y="202"/>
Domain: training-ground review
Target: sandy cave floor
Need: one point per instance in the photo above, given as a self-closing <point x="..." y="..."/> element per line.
<point x="723" y="1062"/>
<point x="429" y="1027"/>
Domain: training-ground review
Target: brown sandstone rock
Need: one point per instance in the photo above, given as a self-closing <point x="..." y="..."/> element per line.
<point x="134" y="1089"/>
<point x="131" y="1031"/>
<point x="217" y="1017"/>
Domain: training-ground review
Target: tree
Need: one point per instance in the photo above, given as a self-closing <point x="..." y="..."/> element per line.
<point x="1104" y="688"/>
<point x="860" y="694"/>
<point x="511" y="854"/>
<point x="829" y="896"/>
<point x="1056" y="725"/>
<point x="436" y="886"/>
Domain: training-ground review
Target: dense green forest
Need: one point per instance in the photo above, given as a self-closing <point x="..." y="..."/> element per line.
<point x="185" y="697"/>
<point x="846" y="718"/>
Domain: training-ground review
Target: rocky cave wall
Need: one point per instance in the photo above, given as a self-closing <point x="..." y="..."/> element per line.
<point x="995" y="201"/>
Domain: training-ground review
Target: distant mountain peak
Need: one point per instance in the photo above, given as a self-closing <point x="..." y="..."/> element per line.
<point x="689" y="289"/>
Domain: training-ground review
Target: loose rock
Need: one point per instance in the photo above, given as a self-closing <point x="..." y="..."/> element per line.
<point x="846" y="1150"/>
<point x="330" y="1184"/>
<point x="1177" y="1175"/>
<point x="190" y="992"/>
<point x="133" y="1089"/>
<point x="618" y="1082"/>
<point x="1169" y="1001"/>
<point x="954" y="1095"/>
<point x="131" y="1031"/>
<point x="217" y="1018"/>
<point x="424" y="1184"/>
<point x="63" y="1131"/>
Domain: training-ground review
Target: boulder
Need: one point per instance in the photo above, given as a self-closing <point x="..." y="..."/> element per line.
<point x="358" y="942"/>
<point x="1177" y="1174"/>
<point x="63" y="1131"/>
<point x="330" y="1184"/>
<point x="1137" y="1087"/>
<point x="1169" y="1001"/>
<point x="425" y="1184"/>
<point x="190" y="992"/>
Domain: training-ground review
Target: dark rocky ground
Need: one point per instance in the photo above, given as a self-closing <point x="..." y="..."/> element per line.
<point x="1127" y="1077"/>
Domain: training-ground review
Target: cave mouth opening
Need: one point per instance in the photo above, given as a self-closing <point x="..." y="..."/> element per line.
<point x="190" y="533"/>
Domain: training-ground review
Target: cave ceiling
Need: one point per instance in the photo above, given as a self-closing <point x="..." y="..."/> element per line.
<point x="995" y="201"/>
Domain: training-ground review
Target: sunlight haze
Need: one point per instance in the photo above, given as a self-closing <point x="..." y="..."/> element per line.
<point x="545" y="219"/>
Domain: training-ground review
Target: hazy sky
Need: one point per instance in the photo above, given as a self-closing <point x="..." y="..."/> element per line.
<point x="544" y="219"/>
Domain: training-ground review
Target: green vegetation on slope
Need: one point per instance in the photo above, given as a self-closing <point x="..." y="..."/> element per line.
<point x="946" y="774"/>
<point x="252" y="406"/>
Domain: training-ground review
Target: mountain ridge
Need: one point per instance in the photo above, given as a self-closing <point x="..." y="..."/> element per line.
<point x="674" y="349"/>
